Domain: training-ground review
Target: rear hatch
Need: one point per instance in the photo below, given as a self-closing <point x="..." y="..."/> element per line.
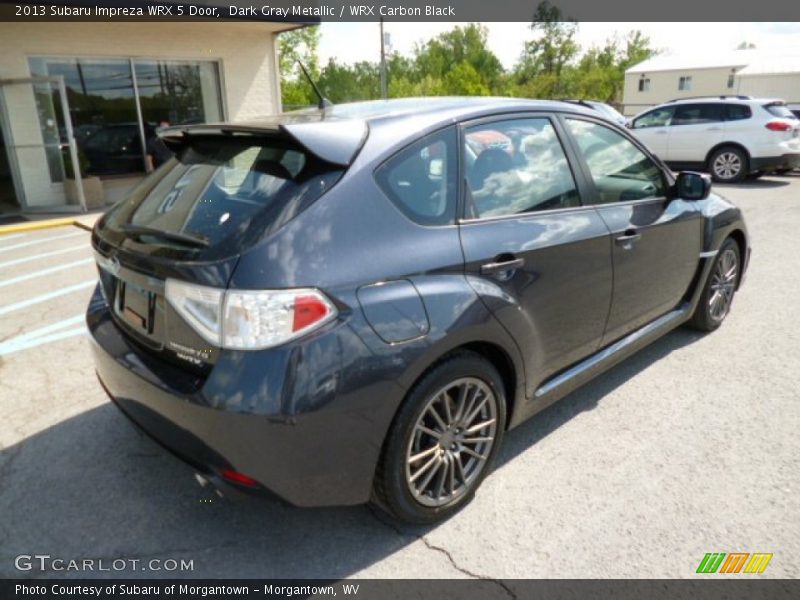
<point x="190" y="221"/>
<point x="784" y="125"/>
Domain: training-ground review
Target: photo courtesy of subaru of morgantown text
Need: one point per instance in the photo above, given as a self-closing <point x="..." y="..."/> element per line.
<point x="354" y="303"/>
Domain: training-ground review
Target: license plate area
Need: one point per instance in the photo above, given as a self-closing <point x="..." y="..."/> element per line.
<point x="137" y="309"/>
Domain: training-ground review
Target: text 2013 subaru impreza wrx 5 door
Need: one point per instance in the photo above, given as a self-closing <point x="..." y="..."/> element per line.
<point x="354" y="303"/>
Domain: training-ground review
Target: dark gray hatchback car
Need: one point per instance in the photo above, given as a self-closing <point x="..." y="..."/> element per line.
<point x="355" y="303"/>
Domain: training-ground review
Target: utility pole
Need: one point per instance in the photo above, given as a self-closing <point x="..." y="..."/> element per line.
<point x="384" y="86"/>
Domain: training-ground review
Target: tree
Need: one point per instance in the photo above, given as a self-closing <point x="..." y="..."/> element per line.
<point x="293" y="46"/>
<point x="543" y="60"/>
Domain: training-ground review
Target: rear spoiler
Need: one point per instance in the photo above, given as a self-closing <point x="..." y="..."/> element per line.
<point x="332" y="140"/>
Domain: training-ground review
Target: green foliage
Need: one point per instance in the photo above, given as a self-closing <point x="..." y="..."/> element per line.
<point x="458" y="62"/>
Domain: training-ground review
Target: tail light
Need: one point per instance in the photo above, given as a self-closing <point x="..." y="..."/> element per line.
<point x="249" y="319"/>
<point x="236" y="477"/>
<point x="779" y="126"/>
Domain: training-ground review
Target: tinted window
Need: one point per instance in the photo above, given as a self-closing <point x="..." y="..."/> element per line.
<point x="779" y="110"/>
<point x="619" y="169"/>
<point x="421" y="179"/>
<point x="738" y="112"/>
<point x="655" y="118"/>
<point x="224" y="190"/>
<point x="696" y="114"/>
<point x="515" y="167"/>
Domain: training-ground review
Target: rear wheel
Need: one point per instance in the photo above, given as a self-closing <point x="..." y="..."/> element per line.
<point x="728" y="165"/>
<point x="443" y="441"/>
<point x="717" y="297"/>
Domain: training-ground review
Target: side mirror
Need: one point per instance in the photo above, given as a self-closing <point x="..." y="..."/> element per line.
<point x="693" y="186"/>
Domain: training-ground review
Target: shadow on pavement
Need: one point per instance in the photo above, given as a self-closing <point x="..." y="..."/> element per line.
<point x="94" y="487"/>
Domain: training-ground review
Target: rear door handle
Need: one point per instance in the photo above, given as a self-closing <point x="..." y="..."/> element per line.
<point x="502" y="263"/>
<point x="627" y="239"/>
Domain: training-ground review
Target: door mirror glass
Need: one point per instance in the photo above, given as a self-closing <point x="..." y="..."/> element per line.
<point x="693" y="186"/>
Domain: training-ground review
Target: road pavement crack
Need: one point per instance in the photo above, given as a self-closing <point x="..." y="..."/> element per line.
<point x="441" y="550"/>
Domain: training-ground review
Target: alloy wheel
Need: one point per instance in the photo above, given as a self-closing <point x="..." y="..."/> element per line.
<point x="451" y="442"/>
<point x="723" y="284"/>
<point x="727" y="165"/>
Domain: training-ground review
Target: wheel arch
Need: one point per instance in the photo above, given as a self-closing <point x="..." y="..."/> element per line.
<point x="737" y="235"/>
<point x="722" y="145"/>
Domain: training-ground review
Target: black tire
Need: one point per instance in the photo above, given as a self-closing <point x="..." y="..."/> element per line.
<point x="394" y="478"/>
<point x="707" y="316"/>
<point x="728" y="164"/>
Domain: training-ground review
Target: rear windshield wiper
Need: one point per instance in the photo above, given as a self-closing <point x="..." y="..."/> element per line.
<point x="173" y="236"/>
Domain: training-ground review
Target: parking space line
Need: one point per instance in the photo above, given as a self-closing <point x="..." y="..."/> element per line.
<point x="47" y="271"/>
<point x="4" y="310"/>
<point x="11" y="236"/>
<point x="41" y="241"/>
<point x="24" y="342"/>
<point x="43" y="255"/>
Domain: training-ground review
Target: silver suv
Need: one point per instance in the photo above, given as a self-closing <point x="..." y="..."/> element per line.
<point x="732" y="137"/>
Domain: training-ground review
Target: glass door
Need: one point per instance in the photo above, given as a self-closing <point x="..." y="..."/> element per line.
<point x="39" y="142"/>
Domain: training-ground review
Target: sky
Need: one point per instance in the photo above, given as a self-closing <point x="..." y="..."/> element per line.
<point x="506" y="39"/>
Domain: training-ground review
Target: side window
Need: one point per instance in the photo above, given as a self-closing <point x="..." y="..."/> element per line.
<point x="620" y="171"/>
<point x="514" y="167"/>
<point x="659" y="117"/>
<point x="738" y="112"/>
<point x="421" y="179"/>
<point x="697" y="114"/>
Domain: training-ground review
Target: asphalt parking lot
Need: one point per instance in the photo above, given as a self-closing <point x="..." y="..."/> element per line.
<point x="687" y="448"/>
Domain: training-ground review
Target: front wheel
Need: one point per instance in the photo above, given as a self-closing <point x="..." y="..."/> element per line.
<point x="717" y="297"/>
<point x="443" y="441"/>
<point x="728" y="165"/>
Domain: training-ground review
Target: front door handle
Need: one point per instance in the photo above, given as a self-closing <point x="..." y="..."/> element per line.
<point x="628" y="238"/>
<point x="504" y="262"/>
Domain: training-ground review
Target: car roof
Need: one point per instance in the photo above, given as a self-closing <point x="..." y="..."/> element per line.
<point x="336" y="133"/>
<point x="737" y="99"/>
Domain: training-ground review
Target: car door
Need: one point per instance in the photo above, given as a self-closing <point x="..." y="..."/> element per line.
<point x="695" y="129"/>
<point x="656" y="241"/>
<point x="652" y="129"/>
<point x="539" y="259"/>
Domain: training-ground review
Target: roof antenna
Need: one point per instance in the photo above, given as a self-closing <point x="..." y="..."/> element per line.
<point x="323" y="101"/>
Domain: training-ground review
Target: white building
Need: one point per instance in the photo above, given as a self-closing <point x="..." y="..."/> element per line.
<point x="107" y="85"/>
<point x="738" y="72"/>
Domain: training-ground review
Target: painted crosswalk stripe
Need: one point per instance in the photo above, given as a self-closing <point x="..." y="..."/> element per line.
<point x="19" y="261"/>
<point x="41" y="241"/>
<point x="43" y="272"/>
<point x="4" y="310"/>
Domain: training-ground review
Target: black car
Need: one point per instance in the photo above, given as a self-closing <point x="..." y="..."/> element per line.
<point x="355" y="303"/>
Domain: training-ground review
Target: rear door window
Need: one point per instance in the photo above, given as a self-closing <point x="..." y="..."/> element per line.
<point x="738" y="112"/>
<point x="224" y="190"/>
<point x="698" y="114"/>
<point x="659" y="117"/>
<point x="778" y="109"/>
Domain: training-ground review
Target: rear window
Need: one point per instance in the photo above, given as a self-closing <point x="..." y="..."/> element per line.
<point x="779" y="110"/>
<point x="224" y="191"/>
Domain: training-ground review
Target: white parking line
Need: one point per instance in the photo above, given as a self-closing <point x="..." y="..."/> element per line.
<point x="42" y="241"/>
<point x="47" y="271"/>
<point x="44" y="335"/>
<point x="11" y="236"/>
<point x="19" y="261"/>
<point x="4" y="310"/>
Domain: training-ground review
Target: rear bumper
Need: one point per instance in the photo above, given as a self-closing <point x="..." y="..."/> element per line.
<point x="309" y="443"/>
<point x="772" y="163"/>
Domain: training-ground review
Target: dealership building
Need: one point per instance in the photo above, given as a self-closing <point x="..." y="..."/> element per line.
<point x="79" y="101"/>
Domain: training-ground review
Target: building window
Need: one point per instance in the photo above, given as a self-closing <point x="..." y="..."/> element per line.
<point x="685" y="83"/>
<point x="730" y="81"/>
<point x="102" y="96"/>
<point x="644" y="85"/>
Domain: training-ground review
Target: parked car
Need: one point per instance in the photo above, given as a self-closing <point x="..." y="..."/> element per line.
<point x="731" y="137"/>
<point x="115" y="149"/>
<point x="351" y="304"/>
<point x="603" y="108"/>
